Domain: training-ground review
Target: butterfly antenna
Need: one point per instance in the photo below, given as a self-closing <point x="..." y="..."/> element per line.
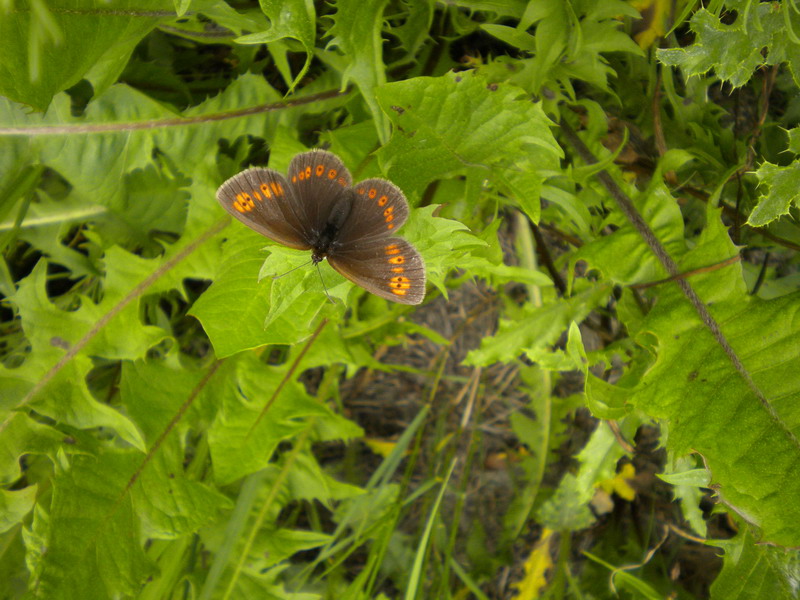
<point x="290" y="271"/>
<point x="324" y="287"/>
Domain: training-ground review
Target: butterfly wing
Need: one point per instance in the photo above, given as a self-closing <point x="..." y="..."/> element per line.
<point x="379" y="209"/>
<point x="317" y="179"/>
<point x="264" y="201"/>
<point x="367" y="253"/>
<point x="386" y="266"/>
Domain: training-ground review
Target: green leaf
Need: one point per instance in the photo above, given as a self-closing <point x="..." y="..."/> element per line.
<point x="89" y="545"/>
<point x="689" y="484"/>
<point x="237" y="291"/>
<point x="736" y="50"/>
<point x="295" y="19"/>
<point x="169" y="503"/>
<point x="568" y="508"/>
<point x="22" y="435"/>
<point x="783" y="192"/>
<point x="356" y="32"/>
<point x="47" y="49"/>
<point x="14" y="505"/>
<point x="711" y="410"/>
<point x="241" y="442"/>
<point x="535" y="328"/>
<point x="446" y="126"/>
<point x="753" y="571"/>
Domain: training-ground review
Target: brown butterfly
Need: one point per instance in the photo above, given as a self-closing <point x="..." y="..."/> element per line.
<point x="317" y="208"/>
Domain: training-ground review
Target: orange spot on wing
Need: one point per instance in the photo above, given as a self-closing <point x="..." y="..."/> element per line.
<point x="332" y="174"/>
<point x="265" y="190"/>
<point x="308" y="172"/>
<point x="372" y="193"/>
<point x="392" y="249"/>
<point x="398" y="270"/>
<point x="276" y="189"/>
<point x="400" y="283"/>
<point x="397" y="260"/>
<point x="320" y="170"/>
<point x="382" y="200"/>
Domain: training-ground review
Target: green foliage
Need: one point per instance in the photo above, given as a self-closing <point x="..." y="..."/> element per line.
<point x="177" y="422"/>
<point x="735" y="50"/>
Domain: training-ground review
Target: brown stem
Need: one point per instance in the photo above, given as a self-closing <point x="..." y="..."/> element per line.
<point x="629" y="210"/>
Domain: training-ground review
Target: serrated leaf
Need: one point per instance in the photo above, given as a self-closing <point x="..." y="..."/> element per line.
<point x="736" y="50"/>
<point x="753" y="571"/>
<point x="446" y="126"/>
<point x="22" y="435"/>
<point x="240" y="441"/>
<point x="536" y="328"/>
<point x="91" y="544"/>
<point x="295" y="19"/>
<point x="783" y="193"/>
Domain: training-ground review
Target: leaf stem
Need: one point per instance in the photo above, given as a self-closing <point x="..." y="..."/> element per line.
<point x="629" y="210"/>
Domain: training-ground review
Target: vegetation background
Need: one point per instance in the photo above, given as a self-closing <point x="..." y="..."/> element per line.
<point x="599" y="397"/>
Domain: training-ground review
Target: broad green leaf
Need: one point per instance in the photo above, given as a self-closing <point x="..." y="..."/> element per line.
<point x="446" y="126"/>
<point x="308" y="481"/>
<point x="711" y="410"/>
<point x="170" y="503"/>
<point x="240" y="441"/>
<point x="153" y="392"/>
<point x="120" y="131"/>
<point x="234" y="309"/>
<point x="89" y="546"/>
<point x="47" y="48"/>
<point x="753" y="571"/>
<point x="663" y="216"/>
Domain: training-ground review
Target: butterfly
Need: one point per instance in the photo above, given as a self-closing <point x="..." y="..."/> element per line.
<point x="316" y="207"/>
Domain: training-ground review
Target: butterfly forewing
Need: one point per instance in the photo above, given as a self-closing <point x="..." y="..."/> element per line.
<point x="388" y="267"/>
<point x="263" y="200"/>
<point x="317" y="178"/>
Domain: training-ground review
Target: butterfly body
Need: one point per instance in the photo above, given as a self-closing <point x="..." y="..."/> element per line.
<point x="316" y="208"/>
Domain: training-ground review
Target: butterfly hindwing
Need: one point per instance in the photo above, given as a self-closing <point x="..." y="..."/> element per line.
<point x="379" y="209"/>
<point x="388" y="267"/>
<point x="262" y="200"/>
<point x="317" y="179"/>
